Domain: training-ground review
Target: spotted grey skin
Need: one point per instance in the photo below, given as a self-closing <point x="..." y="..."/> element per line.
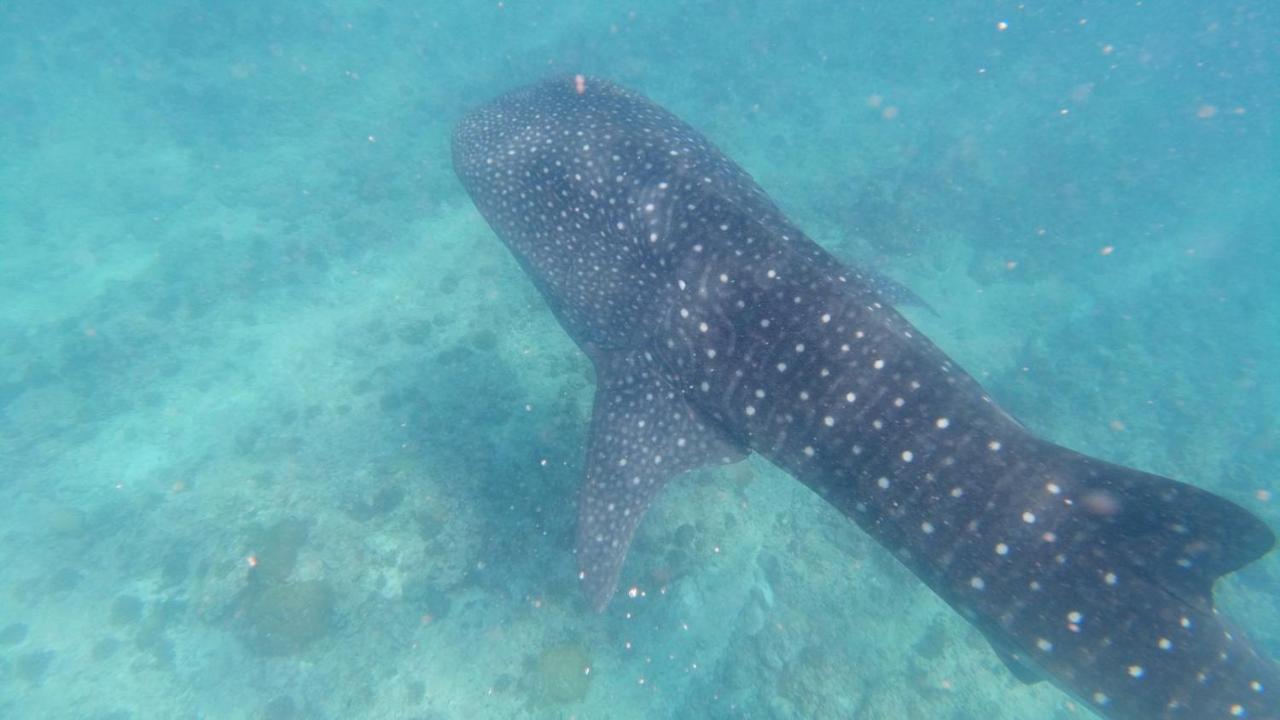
<point x="717" y="329"/>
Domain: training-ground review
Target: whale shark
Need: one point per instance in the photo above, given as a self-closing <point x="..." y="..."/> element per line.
<point x="718" y="329"/>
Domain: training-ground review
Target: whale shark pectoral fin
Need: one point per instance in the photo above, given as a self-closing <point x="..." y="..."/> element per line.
<point x="643" y="433"/>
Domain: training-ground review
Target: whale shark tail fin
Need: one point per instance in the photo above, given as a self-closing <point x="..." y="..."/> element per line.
<point x="1179" y="536"/>
<point x="1115" y="603"/>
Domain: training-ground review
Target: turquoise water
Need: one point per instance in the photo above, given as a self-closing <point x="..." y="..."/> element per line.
<point x="286" y="433"/>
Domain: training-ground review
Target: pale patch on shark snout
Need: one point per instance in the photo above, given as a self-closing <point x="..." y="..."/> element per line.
<point x="718" y="328"/>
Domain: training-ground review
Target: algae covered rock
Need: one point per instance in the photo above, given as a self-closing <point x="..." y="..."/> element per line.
<point x="561" y="674"/>
<point x="284" y="619"/>
<point x="13" y="633"/>
<point x="276" y="549"/>
<point x="67" y="521"/>
<point x="126" y="610"/>
<point x="33" y="665"/>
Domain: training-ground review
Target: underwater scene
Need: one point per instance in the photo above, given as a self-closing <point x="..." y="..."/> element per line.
<point x="320" y="352"/>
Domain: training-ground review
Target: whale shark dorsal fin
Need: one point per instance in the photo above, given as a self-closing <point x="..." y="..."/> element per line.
<point x="643" y="433"/>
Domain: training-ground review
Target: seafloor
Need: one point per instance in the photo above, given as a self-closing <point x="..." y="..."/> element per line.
<point x="285" y="432"/>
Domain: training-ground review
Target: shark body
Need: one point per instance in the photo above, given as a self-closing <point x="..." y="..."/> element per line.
<point x="717" y="329"/>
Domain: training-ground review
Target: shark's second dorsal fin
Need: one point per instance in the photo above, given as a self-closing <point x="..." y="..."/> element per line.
<point x="643" y="433"/>
<point x="1016" y="662"/>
